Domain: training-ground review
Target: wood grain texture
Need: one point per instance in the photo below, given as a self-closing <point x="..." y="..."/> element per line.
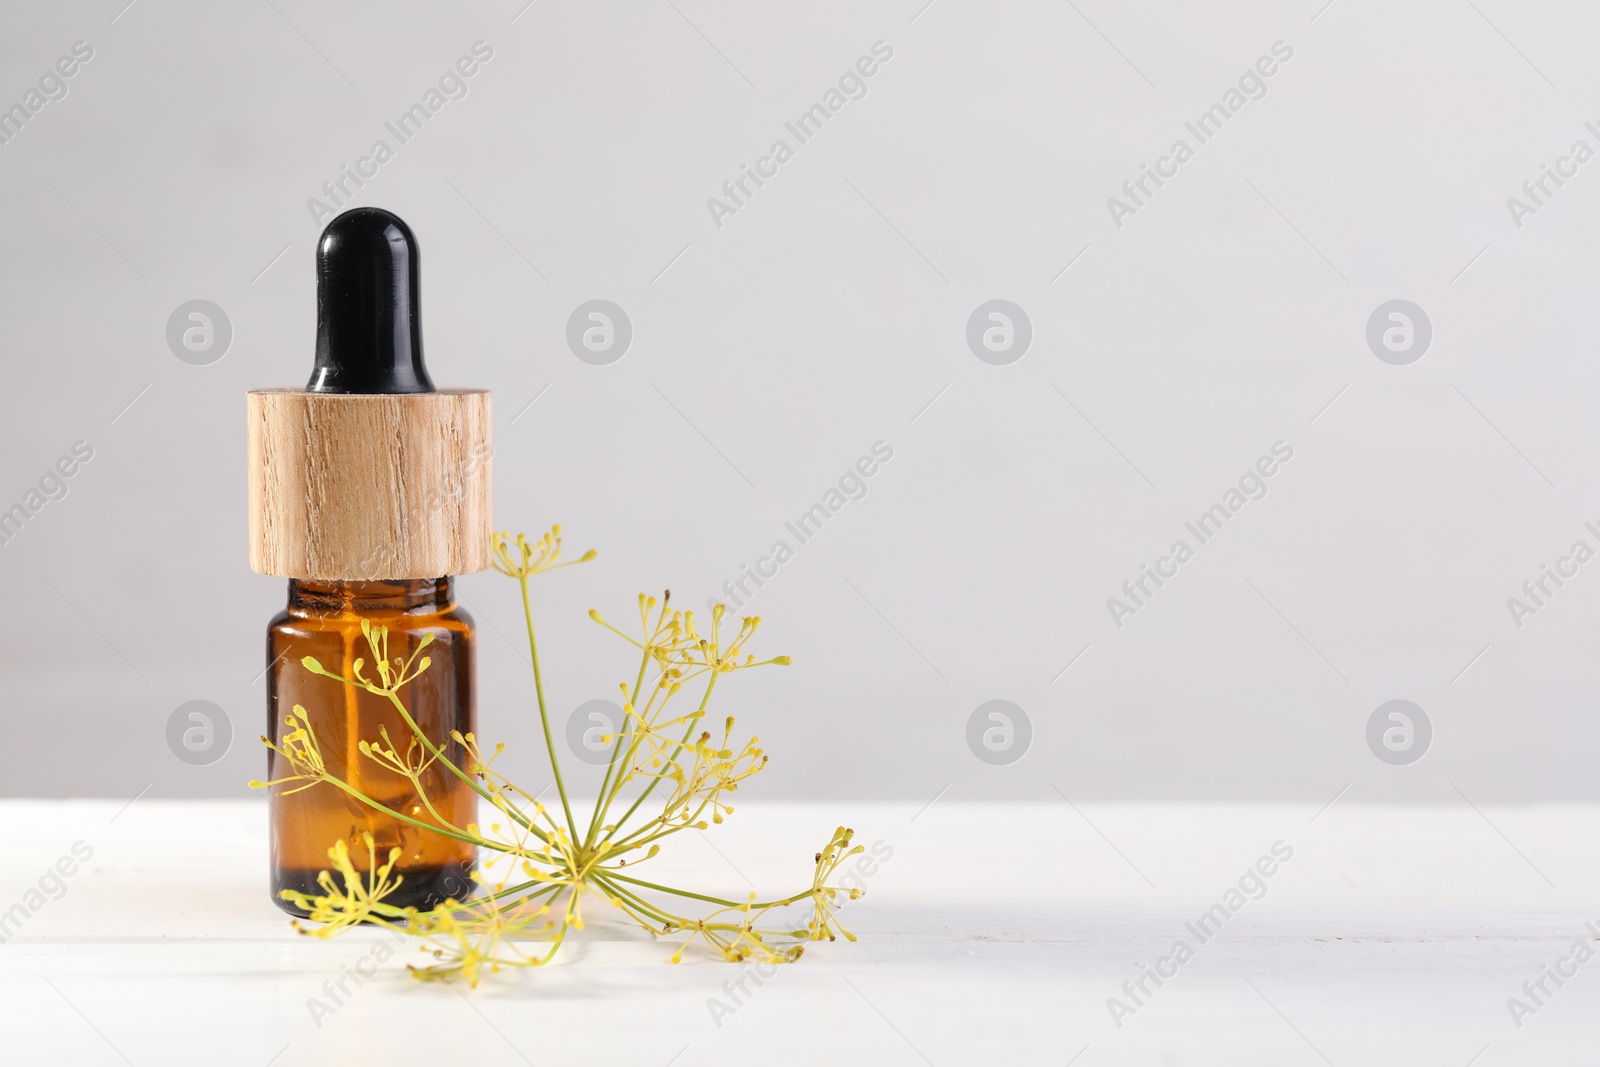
<point x="357" y="486"/>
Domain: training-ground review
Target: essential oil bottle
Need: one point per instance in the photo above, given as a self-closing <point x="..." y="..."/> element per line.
<point x="369" y="490"/>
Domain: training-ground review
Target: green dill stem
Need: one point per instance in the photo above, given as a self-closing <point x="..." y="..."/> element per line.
<point x="666" y="918"/>
<point x="709" y="900"/>
<point x="685" y="924"/>
<point x="390" y="911"/>
<point x="394" y="698"/>
<point x="432" y="827"/>
<point x="616" y="742"/>
<point x="411" y="724"/>
<point x="379" y="915"/>
<point x="497" y="894"/>
<point x="481" y="842"/>
<point x="631" y="909"/>
<point x="555" y="946"/>
<point x="548" y="890"/>
<point x="607" y="795"/>
<point x="544" y="716"/>
<point x="422" y="794"/>
<point x="693" y="721"/>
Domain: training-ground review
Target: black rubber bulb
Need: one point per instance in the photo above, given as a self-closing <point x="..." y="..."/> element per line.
<point x="369" y="319"/>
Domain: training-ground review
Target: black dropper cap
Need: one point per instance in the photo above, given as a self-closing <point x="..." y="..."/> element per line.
<point x="369" y="318"/>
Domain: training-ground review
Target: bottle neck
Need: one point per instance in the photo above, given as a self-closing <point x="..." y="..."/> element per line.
<point x="416" y="595"/>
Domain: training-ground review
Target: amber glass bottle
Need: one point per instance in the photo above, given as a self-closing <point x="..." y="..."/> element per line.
<point x="323" y="619"/>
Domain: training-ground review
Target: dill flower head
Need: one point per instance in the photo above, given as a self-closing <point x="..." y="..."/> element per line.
<point x="351" y="898"/>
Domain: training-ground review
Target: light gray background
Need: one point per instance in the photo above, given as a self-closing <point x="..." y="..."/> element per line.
<point x="830" y="313"/>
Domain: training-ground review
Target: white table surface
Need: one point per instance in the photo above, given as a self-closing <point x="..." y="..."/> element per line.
<point x="995" y="934"/>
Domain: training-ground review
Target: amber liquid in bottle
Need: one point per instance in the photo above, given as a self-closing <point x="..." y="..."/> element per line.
<point x="323" y="619"/>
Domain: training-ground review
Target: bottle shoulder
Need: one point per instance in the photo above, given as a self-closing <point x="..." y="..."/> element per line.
<point x="453" y="620"/>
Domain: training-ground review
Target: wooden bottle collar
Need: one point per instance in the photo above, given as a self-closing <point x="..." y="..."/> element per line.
<point x="370" y="486"/>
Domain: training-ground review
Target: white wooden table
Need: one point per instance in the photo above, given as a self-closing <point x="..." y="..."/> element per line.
<point x="994" y="934"/>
